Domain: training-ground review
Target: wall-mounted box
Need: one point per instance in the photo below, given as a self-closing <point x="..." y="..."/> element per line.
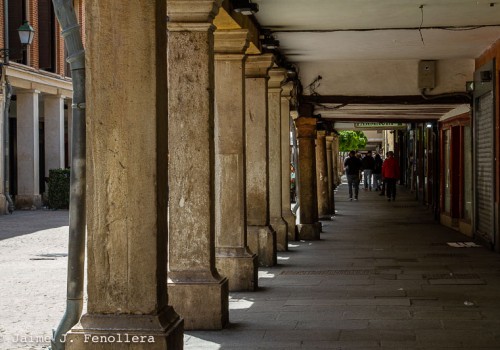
<point x="426" y="74"/>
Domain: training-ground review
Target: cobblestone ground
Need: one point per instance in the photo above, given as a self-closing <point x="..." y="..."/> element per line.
<point x="33" y="249"/>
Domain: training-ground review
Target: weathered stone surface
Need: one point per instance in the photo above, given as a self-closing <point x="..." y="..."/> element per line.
<point x="276" y="78"/>
<point x="308" y="217"/>
<point x="127" y="177"/>
<point x="286" y="212"/>
<point x="241" y="269"/>
<point x="262" y="240"/>
<point x="322" y="176"/>
<point x="257" y="161"/>
<point x="193" y="277"/>
<point x="233" y="258"/>
<point x="330" y="171"/>
<point x="204" y="305"/>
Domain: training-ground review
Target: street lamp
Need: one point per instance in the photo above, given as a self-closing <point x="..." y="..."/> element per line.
<point x="26" y="35"/>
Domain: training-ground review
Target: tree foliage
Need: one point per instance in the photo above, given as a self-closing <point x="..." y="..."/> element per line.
<point x="352" y="140"/>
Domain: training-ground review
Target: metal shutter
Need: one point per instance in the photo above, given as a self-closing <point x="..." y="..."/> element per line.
<point x="484" y="167"/>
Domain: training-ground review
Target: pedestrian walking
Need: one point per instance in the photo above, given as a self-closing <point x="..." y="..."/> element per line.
<point x="382" y="191"/>
<point x="352" y="166"/>
<point x="368" y="164"/>
<point x="390" y="173"/>
<point x="377" y="172"/>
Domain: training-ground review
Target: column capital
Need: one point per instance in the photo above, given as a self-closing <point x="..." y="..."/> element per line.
<point x="276" y="77"/>
<point x="27" y="91"/>
<point x="257" y="66"/>
<point x="59" y="96"/>
<point x="329" y="138"/>
<point x="321" y="133"/>
<point x="233" y="41"/>
<point x="306" y="127"/>
<point x="189" y="11"/>
<point x="286" y="90"/>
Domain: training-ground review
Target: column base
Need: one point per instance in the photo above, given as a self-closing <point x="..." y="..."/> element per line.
<point x="280" y="227"/>
<point x="326" y="217"/>
<point x="156" y="332"/>
<point x="240" y="268"/>
<point x="290" y="223"/>
<point x="4" y="205"/>
<point x="28" y="202"/>
<point x="202" y="305"/>
<point x="262" y="240"/>
<point x="309" y="232"/>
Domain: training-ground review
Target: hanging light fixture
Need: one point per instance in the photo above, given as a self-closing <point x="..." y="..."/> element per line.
<point x="245" y="7"/>
<point x="26" y="33"/>
<point x="270" y="43"/>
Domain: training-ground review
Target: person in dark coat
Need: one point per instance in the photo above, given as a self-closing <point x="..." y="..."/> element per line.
<point x="390" y="173"/>
<point x="368" y="163"/>
<point x="352" y="166"/>
<point x="377" y="172"/>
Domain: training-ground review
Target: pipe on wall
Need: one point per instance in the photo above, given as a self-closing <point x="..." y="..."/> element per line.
<point x="66" y="16"/>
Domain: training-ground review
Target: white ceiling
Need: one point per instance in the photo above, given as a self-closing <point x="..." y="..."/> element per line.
<point x="315" y="32"/>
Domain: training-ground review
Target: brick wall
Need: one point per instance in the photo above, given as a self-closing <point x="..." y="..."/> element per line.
<point x="33" y="19"/>
<point x="1" y="24"/>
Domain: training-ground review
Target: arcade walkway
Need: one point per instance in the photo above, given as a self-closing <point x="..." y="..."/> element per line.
<point x="382" y="277"/>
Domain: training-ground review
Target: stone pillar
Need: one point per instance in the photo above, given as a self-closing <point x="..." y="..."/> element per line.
<point x="54" y="132"/>
<point x="197" y="291"/>
<point x="322" y="177"/>
<point x="308" y="228"/>
<point x="28" y="170"/>
<point x="336" y="161"/>
<point x="330" y="171"/>
<point x="233" y="257"/>
<point x="276" y="78"/>
<point x="261" y="236"/>
<point x="286" y="211"/>
<point x="126" y="180"/>
<point x="3" y="149"/>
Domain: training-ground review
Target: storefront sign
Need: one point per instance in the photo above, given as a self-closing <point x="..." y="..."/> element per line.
<point x="381" y="126"/>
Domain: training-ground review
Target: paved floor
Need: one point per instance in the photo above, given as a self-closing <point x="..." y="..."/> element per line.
<point x="382" y="277"/>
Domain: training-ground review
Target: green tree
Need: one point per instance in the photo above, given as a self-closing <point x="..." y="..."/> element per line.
<point x="352" y="140"/>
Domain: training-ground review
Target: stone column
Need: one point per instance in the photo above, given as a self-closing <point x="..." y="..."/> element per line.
<point x="54" y="132"/>
<point x="286" y="211"/>
<point x="233" y="257"/>
<point x="126" y="180"/>
<point x="197" y="291"/>
<point x="276" y="78"/>
<point x="308" y="228"/>
<point x="322" y="177"/>
<point x="330" y="171"/>
<point x="3" y="149"/>
<point x="28" y="138"/>
<point x="336" y="161"/>
<point x="261" y="236"/>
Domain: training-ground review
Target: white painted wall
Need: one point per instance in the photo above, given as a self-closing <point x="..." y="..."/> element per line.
<point x="383" y="78"/>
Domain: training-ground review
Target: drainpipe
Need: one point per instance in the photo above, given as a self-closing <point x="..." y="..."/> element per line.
<point x="8" y="95"/>
<point x="66" y="16"/>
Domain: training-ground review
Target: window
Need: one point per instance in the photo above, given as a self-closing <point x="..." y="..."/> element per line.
<point x="46" y="36"/>
<point x="17" y="16"/>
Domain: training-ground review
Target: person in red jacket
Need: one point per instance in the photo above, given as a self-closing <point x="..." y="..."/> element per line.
<point x="390" y="173"/>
